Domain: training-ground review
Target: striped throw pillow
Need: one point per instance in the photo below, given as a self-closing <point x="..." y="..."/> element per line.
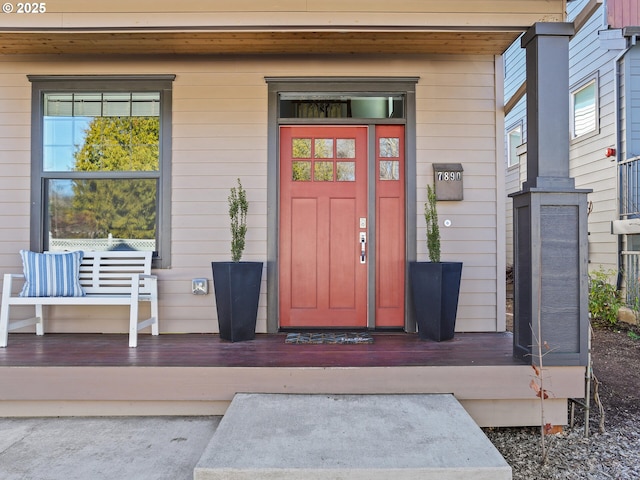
<point x="51" y="274"/>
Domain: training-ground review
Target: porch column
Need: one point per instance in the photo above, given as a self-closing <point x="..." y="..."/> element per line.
<point x="550" y="215"/>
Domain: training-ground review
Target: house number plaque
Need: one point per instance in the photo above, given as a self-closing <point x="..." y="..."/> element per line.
<point x="448" y="181"/>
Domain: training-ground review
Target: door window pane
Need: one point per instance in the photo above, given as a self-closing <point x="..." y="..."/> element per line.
<point x="389" y="147"/>
<point x="346" y="147"/>
<point x="301" y="148"/>
<point x="324" y="148"/>
<point x="301" y="171"/>
<point x="323" y="171"/>
<point x="389" y="170"/>
<point x="346" y="171"/>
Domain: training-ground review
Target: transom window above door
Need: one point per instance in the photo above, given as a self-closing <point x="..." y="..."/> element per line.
<point x="332" y="105"/>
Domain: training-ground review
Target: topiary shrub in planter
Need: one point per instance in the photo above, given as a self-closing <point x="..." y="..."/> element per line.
<point x="435" y="285"/>
<point x="236" y="283"/>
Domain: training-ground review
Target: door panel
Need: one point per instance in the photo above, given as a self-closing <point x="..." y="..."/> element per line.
<point x="388" y="247"/>
<point x="304" y="246"/>
<point x="342" y="268"/>
<point x="323" y="194"/>
<point x="390" y="226"/>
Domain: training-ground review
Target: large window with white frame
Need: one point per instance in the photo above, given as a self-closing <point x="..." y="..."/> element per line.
<point x="101" y="164"/>
<point x="584" y="108"/>
<point x="514" y="140"/>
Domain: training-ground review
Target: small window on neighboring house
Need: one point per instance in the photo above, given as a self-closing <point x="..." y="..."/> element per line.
<point x="514" y="140"/>
<point x="102" y="164"/>
<point x="584" y="109"/>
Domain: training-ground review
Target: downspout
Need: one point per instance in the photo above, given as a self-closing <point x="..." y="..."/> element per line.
<point x="616" y="66"/>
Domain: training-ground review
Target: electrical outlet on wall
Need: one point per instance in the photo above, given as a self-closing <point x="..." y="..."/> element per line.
<point x="199" y="286"/>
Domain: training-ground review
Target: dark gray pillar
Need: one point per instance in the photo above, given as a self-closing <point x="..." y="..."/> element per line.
<point x="550" y="215"/>
<point x="547" y="47"/>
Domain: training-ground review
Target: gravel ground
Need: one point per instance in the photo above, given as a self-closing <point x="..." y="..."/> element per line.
<point x="614" y="454"/>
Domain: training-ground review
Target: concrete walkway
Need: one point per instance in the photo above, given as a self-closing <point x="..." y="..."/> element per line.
<point x="261" y="436"/>
<point x="120" y="448"/>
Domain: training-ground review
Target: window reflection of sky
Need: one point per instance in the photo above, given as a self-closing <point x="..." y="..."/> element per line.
<point x="60" y="188"/>
<point x="63" y="136"/>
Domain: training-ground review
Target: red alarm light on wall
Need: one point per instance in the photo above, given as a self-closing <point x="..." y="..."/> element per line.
<point x="610" y="152"/>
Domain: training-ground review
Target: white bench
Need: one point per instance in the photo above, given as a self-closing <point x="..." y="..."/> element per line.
<point x="108" y="278"/>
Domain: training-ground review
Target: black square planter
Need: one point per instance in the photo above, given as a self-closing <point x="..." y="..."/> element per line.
<point x="435" y="287"/>
<point x="237" y="290"/>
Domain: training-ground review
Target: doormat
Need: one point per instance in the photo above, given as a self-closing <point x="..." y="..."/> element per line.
<point x="329" y="338"/>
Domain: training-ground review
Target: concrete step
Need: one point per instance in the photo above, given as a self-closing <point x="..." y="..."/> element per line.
<point x="362" y="437"/>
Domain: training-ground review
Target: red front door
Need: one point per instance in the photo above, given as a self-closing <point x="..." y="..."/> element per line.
<point x="324" y="252"/>
<point x="323" y="188"/>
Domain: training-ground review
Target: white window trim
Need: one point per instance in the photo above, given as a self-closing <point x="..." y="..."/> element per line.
<point x="510" y="161"/>
<point x="575" y="89"/>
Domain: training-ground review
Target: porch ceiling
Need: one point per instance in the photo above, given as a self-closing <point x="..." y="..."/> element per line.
<point x="292" y="41"/>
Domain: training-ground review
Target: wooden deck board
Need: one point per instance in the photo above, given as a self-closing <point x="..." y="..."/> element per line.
<point x="206" y="350"/>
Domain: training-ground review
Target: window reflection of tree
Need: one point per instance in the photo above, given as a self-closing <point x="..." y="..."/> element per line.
<point x="323" y="109"/>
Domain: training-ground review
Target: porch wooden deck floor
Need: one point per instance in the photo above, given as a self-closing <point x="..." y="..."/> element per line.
<point x="208" y="350"/>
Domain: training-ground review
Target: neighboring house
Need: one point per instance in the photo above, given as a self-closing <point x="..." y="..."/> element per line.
<point x="604" y="113"/>
<point x="125" y="127"/>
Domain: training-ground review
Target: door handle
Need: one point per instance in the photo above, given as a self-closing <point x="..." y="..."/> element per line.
<point x="363" y="247"/>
